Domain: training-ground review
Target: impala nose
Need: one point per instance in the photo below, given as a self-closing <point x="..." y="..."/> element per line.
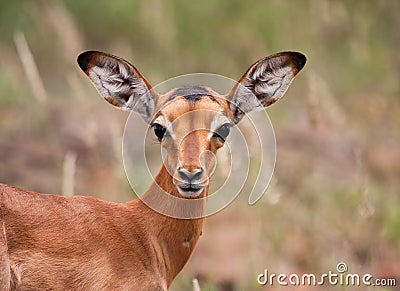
<point x="190" y="177"/>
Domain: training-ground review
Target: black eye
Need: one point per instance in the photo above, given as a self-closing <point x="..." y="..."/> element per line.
<point x="223" y="131"/>
<point x="159" y="131"/>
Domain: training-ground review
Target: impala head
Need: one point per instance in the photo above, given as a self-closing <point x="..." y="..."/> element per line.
<point x="191" y="123"/>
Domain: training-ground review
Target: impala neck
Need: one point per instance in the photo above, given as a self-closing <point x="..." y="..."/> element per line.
<point x="172" y="239"/>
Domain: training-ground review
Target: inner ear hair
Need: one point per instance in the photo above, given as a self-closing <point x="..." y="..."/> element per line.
<point x="265" y="82"/>
<point x="119" y="82"/>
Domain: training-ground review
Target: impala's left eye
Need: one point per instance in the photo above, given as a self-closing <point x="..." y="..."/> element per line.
<point x="223" y="131"/>
<point x="159" y="131"/>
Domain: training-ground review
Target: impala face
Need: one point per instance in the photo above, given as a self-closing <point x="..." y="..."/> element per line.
<point x="191" y="123"/>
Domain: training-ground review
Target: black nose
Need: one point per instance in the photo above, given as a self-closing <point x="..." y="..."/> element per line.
<point x="190" y="176"/>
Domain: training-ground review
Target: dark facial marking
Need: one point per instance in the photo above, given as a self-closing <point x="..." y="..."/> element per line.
<point x="192" y="93"/>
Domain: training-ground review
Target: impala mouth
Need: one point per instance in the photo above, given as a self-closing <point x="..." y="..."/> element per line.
<point x="190" y="190"/>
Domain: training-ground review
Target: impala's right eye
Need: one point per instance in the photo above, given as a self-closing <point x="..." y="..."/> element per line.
<point x="159" y="131"/>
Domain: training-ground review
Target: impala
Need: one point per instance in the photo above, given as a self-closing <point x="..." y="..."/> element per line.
<point x="51" y="242"/>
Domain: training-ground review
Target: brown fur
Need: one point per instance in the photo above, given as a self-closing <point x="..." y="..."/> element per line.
<point x="52" y="242"/>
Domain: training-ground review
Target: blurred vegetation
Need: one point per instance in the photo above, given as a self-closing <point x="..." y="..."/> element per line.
<point x="335" y="194"/>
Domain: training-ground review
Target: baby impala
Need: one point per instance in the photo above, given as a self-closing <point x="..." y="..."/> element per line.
<point x="51" y="242"/>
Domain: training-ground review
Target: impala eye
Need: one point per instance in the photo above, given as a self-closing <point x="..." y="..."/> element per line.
<point x="159" y="131"/>
<point x="223" y="131"/>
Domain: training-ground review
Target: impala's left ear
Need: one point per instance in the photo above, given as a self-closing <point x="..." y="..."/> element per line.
<point x="264" y="83"/>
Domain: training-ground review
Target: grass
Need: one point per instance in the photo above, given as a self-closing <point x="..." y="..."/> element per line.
<point x="335" y="191"/>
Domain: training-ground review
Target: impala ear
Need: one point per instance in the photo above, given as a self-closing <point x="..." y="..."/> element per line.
<point x="118" y="82"/>
<point x="264" y="83"/>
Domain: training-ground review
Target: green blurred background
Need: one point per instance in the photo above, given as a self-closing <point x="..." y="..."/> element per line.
<point x="335" y="192"/>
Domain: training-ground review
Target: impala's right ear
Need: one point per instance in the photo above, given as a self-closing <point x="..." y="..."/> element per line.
<point x="118" y="82"/>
